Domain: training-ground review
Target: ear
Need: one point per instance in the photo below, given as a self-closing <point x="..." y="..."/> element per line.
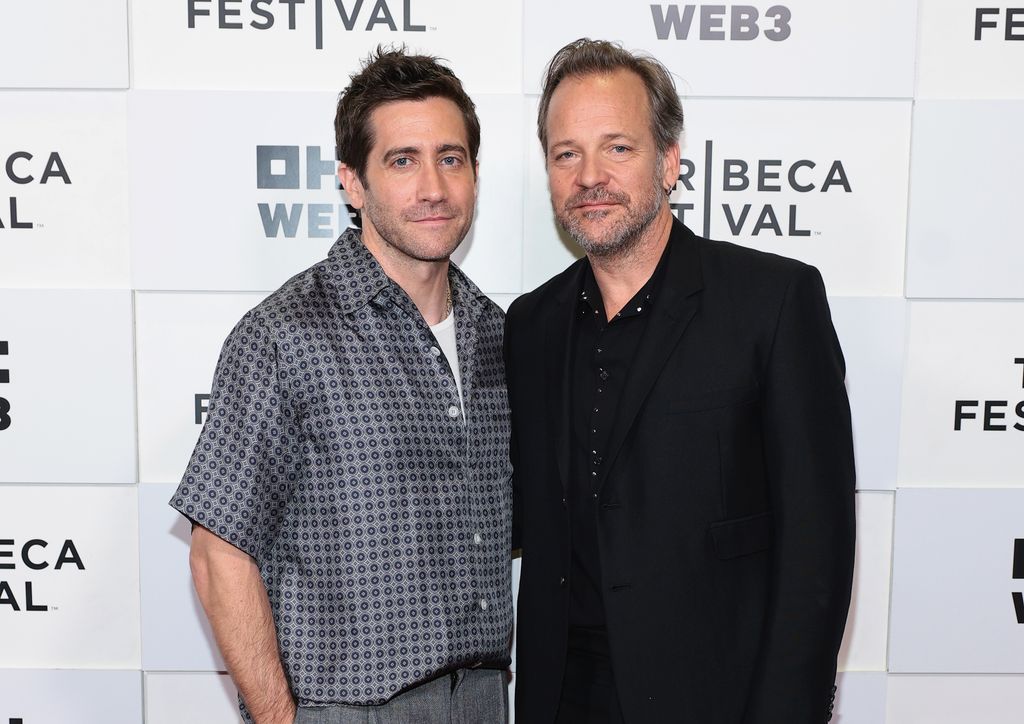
<point x="476" y="179"/>
<point x="352" y="185"/>
<point x="670" y="168"/>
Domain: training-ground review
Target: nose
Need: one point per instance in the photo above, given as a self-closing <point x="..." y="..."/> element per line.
<point x="431" y="184"/>
<point x="591" y="171"/>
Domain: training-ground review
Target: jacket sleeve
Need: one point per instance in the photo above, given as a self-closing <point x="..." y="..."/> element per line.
<point x="808" y="449"/>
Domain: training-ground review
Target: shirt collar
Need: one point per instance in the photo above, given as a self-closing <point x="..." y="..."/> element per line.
<point x="357" y="278"/>
<point x="590" y="292"/>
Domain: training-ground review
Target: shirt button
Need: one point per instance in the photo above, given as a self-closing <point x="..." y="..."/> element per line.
<point x="561" y="582"/>
<point x="435" y="351"/>
<point x="477" y="539"/>
<point x="483" y="604"/>
<point x="453" y="412"/>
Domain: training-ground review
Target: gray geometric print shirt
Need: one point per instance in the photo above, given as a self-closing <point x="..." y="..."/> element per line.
<point x="336" y="454"/>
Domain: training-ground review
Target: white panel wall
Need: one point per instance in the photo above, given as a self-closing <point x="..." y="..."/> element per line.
<point x="64" y="44"/>
<point x="953" y="607"/>
<point x="315" y="44"/>
<point x="178" y="341"/>
<point x="70" y="399"/>
<point x="59" y="697"/>
<point x="63" y="186"/>
<point x="70" y="564"/>
<point x="963" y="414"/>
<point x="966" y="161"/>
<point x="793" y="48"/>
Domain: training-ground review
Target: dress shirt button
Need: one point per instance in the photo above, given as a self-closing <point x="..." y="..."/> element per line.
<point x="453" y="412"/>
<point x="561" y="582"/>
<point x="477" y="539"/>
<point x="595" y="496"/>
<point x="483" y="604"/>
<point x="604" y="374"/>
<point x="435" y="351"/>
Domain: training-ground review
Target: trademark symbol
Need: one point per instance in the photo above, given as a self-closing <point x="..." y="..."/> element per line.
<point x="38" y="226"/>
<point x="817" y="233"/>
<point x="432" y="27"/>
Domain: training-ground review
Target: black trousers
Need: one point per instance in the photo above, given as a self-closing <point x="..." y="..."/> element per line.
<point x="589" y="695"/>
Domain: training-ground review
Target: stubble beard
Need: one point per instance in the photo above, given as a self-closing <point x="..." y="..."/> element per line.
<point x="620" y="238"/>
<point x="392" y="230"/>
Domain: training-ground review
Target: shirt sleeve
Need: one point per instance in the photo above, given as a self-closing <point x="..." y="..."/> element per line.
<point x="238" y="481"/>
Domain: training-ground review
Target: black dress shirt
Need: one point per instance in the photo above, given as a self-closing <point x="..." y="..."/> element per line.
<point x="602" y="354"/>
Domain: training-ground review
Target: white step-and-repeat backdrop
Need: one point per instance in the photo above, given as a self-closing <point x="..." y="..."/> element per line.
<point x="167" y="163"/>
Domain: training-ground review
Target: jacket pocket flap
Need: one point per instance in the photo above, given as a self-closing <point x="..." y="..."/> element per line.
<point x="741" y="536"/>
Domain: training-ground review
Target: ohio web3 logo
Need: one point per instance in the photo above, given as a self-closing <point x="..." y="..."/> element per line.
<point x="721" y="22"/>
<point x="297" y="168"/>
<point x="264" y="14"/>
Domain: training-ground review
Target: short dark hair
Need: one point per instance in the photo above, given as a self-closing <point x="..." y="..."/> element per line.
<point x="585" y="57"/>
<point x="392" y="74"/>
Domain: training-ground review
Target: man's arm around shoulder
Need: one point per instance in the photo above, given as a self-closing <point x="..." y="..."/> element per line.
<point x="234" y="597"/>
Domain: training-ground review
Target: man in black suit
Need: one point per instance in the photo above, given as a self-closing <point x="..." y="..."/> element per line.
<point x="684" y="477"/>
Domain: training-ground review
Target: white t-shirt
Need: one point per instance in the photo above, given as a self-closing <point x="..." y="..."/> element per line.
<point x="444" y="333"/>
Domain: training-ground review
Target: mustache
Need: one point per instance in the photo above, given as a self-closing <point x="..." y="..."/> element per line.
<point x="423" y="212"/>
<point x="595" y="196"/>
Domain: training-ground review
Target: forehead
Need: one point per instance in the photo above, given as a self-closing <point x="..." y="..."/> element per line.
<point x="427" y="122"/>
<point x="598" y="103"/>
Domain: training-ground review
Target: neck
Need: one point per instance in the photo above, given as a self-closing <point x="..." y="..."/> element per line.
<point x="622" y="275"/>
<point x="426" y="282"/>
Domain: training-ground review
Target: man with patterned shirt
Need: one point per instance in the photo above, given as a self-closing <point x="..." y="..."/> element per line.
<point x="351" y="489"/>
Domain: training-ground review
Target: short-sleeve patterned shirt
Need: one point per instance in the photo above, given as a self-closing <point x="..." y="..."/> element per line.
<point x="336" y="453"/>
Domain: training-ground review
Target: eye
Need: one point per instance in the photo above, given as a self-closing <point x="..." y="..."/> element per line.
<point x="451" y="161"/>
<point x="564" y="155"/>
<point x="620" y="148"/>
<point x="402" y="162"/>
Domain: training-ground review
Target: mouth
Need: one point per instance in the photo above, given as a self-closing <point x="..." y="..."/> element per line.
<point x="433" y="220"/>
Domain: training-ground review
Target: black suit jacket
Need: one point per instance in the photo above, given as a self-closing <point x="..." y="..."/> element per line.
<point x="726" y="507"/>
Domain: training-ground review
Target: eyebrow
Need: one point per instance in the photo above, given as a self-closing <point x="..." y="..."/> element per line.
<point x="606" y="137"/>
<point x="416" y="150"/>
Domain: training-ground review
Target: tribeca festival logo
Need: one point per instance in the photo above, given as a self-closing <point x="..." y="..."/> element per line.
<point x="35" y="554"/>
<point x="721" y="22"/>
<point x="354" y="15"/>
<point x="987" y="22"/>
<point x="22" y="168"/>
<point x="300" y="168"/>
<point x="990" y="414"/>
<point x="740" y="177"/>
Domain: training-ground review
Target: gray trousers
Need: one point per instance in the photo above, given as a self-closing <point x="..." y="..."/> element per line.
<point x="468" y="696"/>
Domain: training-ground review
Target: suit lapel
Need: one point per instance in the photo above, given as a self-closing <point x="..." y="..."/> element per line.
<point x="675" y="306"/>
<point x="557" y="352"/>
